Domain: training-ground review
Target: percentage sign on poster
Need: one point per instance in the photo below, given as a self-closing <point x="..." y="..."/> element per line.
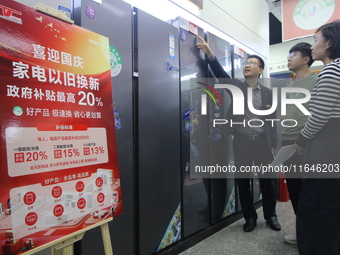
<point x="43" y="155"/>
<point x="99" y="101"/>
<point x="101" y="150"/>
<point x="76" y="152"/>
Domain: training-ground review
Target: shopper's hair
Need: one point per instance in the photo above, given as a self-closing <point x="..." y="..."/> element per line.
<point x="331" y="31"/>
<point x="258" y="58"/>
<point x="305" y="50"/>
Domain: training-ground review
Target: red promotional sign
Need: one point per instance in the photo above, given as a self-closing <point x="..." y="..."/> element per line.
<point x="301" y="18"/>
<point x="59" y="161"/>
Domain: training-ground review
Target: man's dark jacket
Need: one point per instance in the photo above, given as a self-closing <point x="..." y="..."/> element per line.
<point x="266" y="97"/>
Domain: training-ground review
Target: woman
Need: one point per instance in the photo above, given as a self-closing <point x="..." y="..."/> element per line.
<point x="318" y="216"/>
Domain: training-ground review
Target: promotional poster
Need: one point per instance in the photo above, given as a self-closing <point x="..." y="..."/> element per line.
<point x="59" y="169"/>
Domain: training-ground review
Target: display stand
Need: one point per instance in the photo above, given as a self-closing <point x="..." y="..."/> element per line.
<point x="64" y="245"/>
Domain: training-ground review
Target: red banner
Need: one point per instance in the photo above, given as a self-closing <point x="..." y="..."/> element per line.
<point x="59" y="170"/>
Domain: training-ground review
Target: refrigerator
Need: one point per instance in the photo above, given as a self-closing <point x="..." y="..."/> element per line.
<point x="113" y="19"/>
<point x="194" y="128"/>
<point x="222" y="190"/>
<point x="157" y="120"/>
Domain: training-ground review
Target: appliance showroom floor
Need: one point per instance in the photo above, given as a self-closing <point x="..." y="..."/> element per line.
<point x="262" y="241"/>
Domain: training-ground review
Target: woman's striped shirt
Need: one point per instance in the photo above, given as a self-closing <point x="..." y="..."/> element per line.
<point x="324" y="103"/>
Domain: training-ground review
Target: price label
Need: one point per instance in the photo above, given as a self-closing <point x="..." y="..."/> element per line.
<point x="30" y="151"/>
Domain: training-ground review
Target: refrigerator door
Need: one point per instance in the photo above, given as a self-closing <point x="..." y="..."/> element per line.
<point x="222" y="50"/>
<point x="195" y="128"/>
<point x="158" y="132"/>
<point x="113" y="19"/>
<point x="222" y="189"/>
<point x="238" y="57"/>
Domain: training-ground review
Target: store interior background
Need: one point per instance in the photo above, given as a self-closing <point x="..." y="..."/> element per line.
<point x="255" y="27"/>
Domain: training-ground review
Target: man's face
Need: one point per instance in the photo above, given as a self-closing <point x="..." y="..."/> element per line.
<point x="251" y="68"/>
<point x="296" y="61"/>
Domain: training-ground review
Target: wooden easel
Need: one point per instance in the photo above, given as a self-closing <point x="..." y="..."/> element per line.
<point x="64" y="245"/>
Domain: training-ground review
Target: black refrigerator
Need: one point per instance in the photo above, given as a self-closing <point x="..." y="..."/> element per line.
<point x="157" y="101"/>
<point x="113" y="19"/>
<point x="194" y="128"/>
<point x="222" y="190"/>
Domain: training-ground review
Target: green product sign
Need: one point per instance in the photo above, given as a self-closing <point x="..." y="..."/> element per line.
<point x="18" y="111"/>
<point x="311" y="14"/>
<point x="115" y="61"/>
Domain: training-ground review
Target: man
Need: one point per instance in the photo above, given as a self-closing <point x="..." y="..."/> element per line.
<point x="299" y="61"/>
<point x="253" y="144"/>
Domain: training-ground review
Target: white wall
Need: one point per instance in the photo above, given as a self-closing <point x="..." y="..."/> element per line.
<point x="278" y="55"/>
<point x="247" y="21"/>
